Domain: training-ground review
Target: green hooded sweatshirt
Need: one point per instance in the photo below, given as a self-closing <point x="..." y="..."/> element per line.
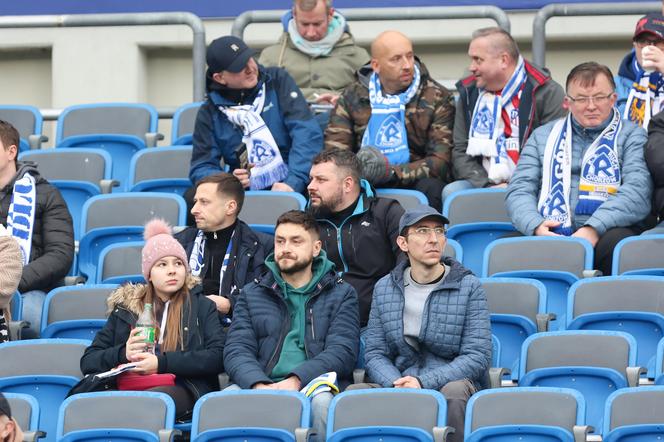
<point x="292" y="351"/>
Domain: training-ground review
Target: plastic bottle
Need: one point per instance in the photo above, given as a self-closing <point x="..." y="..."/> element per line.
<point x="146" y="323"/>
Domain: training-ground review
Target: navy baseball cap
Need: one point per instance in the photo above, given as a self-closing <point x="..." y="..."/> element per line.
<point x="228" y="53"/>
<point x="417" y="214"/>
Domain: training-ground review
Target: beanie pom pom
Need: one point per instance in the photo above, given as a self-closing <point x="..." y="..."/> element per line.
<point x="156" y="227"/>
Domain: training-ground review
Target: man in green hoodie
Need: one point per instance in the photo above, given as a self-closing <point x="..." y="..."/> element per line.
<point x="296" y="322"/>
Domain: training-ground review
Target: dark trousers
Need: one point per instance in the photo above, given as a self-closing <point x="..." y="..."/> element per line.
<point x="606" y="244"/>
<point x="184" y="401"/>
<point x="432" y="188"/>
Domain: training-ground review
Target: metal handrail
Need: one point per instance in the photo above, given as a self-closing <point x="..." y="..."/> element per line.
<point x="374" y="14"/>
<point x="580" y="9"/>
<point x="140" y="19"/>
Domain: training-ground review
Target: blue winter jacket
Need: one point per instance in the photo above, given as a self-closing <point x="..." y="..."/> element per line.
<point x="625" y="79"/>
<point x="285" y="113"/>
<point x="261" y="322"/>
<point x="455" y="338"/>
<point x="629" y="206"/>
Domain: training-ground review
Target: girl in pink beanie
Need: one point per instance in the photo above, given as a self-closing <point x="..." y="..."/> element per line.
<point x="189" y="333"/>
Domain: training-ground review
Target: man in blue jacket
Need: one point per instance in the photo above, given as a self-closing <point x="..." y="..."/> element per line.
<point x="429" y="322"/>
<point x="255" y="120"/>
<point x="584" y="175"/>
<point x="296" y="322"/>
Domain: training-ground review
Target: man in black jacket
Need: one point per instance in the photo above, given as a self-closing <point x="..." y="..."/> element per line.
<point x="223" y="251"/>
<point x="36" y="215"/>
<point x="358" y="229"/>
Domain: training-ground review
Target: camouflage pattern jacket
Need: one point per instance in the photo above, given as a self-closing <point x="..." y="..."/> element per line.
<point x="429" y="120"/>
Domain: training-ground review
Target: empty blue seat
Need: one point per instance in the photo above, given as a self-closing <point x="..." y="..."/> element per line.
<point x="408" y="198"/>
<point x="639" y="255"/>
<point x="184" y="119"/>
<point x="28" y="122"/>
<point x="163" y="169"/>
<point x="634" y="414"/>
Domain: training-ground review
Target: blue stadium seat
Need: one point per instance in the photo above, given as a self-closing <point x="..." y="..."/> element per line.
<point x="265" y="206"/>
<point x="120" y="263"/>
<point x="634" y="414"/>
<point x="163" y="169"/>
<point x="183" y="124"/>
<point x="28" y="122"/>
<point x="631" y="304"/>
<point x="557" y="262"/>
<point x="26" y="412"/>
<point x="251" y="415"/>
<point x="496" y="351"/>
<point x="639" y="255"/>
<point x="595" y="363"/>
<point x="659" y="363"/>
<point x="408" y="198"/>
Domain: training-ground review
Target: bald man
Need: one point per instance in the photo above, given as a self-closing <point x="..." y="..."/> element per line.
<point x="503" y="100"/>
<point x="397" y="119"/>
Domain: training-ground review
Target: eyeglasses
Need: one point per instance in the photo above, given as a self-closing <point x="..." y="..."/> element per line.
<point x="597" y="99"/>
<point x="425" y="232"/>
<point x="649" y="42"/>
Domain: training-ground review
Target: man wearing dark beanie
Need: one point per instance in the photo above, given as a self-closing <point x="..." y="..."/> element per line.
<point x="9" y="429"/>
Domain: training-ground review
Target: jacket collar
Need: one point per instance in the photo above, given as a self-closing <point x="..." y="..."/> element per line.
<point x="457" y="273"/>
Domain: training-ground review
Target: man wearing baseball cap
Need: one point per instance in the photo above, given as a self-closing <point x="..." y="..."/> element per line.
<point x="255" y="120"/>
<point x="639" y="83"/>
<point x="9" y="429"/>
<point x="429" y="322"/>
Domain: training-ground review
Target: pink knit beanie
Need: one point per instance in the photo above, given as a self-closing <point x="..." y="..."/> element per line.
<point x="159" y="243"/>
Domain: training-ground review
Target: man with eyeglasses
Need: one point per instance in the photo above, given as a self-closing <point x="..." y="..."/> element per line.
<point x="429" y="322"/>
<point x="584" y="175"/>
<point x="639" y="83"/>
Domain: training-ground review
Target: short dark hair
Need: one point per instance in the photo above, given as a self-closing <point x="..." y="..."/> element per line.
<point x="586" y="73"/>
<point x="227" y="185"/>
<point x="9" y="137"/>
<point x="300" y="218"/>
<point x="343" y="158"/>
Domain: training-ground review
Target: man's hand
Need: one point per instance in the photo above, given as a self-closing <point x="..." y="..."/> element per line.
<point x="407" y="382"/>
<point x="243" y="176"/>
<point x="499" y="186"/>
<point x="262" y="386"/>
<point x="653" y="58"/>
<point x="544" y="229"/>
<point x="588" y="233"/>
<point x="375" y="167"/>
<point x="223" y="304"/>
<point x="327" y="98"/>
<point x="291" y="383"/>
<point x="135" y="345"/>
<point x="146" y="363"/>
<point x="282" y="187"/>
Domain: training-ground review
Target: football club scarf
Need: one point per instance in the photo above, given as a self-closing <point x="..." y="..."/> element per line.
<point x="21" y="215"/>
<point x="197" y="257"/>
<point x="600" y="173"/>
<point x="386" y="129"/>
<point x="645" y="96"/>
<point x="487" y="136"/>
<point x="262" y="150"/>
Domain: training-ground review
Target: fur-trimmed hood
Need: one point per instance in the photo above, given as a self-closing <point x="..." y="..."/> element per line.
<point x="130" y="295"/>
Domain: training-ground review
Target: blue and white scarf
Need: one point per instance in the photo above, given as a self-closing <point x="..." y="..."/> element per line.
<point x="262" y="149"/>
<point x="386" y="129"/>
<point x="197" y="257"/>
<point x="486" y="137"/>
<point x="645" y="96"/>
<point x="600" y="173"/>
<point x="21" y="215"/>
<point x="323" y="47"/>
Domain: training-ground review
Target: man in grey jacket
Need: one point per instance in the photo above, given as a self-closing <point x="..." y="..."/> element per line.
<point x="499" y="105"/>
<point x="429" y="322"/>
<point x="584" y="175"/>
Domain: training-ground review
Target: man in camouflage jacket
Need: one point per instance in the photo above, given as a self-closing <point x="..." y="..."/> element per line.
<point x="429" y="116"/>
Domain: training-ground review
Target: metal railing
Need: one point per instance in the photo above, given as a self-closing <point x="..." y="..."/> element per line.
<point x="581" y="9"/>
<point x="377" y="14"/>
<point x="143" y="19"/>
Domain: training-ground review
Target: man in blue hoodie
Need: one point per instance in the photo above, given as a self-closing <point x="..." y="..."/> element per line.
<point x="296" y="322"/>
<point x="255" y="120"/>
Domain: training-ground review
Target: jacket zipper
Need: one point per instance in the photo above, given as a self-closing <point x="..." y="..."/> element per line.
<point x="282" y="337"/>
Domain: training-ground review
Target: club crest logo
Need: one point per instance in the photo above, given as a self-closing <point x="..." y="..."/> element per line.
<point x="555" y="207"/>
<point x="390" y="133"/>
<point x="262" y="153"/>
<point x="483" y="121"/>
<point x="603" y="167"/>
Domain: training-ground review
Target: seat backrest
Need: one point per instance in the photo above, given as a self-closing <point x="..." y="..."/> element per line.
<point x="140" y="410"/>
<point x="453" y="250"/>
<point x="408" y="198"/>
<point x="265" y="206"/>
<point x="160" y="162"/>
<point x="587" y="348"/>
<point x="81" y="164"/>
<point x="638" y="252"/>
<point x="563" y="254"/>
<point x="621" y="293"/>
<point x="422" y="409"/>
<point x="476" y="205"/>
<point x="120" y="260"/>
<point x="132" y="209"/>
<point x="26" y="119"/>
<point x="59" y="357"/>
<point x="634" y="406"/>
<point x="515" y="296"/>
<point x="559" y="407"/>
<point x="76" y="302"/>
<point x="250" y="408"/>
<point x="107" y="118"/>
<point x="183" y="121"/>
<point x="25" y="410"/>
